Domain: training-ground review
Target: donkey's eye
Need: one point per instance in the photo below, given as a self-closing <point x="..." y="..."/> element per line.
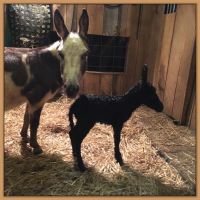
<point x="84" y="56"/>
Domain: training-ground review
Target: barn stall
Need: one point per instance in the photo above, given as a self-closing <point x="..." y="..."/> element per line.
<point x="158" y="148"/>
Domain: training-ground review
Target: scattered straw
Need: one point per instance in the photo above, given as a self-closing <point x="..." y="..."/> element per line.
<point x="144" y="172"/>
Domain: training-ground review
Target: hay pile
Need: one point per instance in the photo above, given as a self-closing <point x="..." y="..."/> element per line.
<point x="145" y="172"/>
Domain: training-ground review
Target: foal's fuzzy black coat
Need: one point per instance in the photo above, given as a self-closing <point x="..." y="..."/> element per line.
<point x="89" y="109"/>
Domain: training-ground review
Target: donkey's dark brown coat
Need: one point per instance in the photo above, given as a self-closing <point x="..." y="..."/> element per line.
<point x="36" y="75"/>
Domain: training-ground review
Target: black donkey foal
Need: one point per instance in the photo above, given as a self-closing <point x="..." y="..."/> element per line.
<point x="112" y="110"/>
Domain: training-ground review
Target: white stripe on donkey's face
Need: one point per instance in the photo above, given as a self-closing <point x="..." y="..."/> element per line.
<point x="73" y="47"/>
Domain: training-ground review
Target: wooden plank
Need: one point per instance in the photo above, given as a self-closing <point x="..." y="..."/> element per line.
<point x="175" y="60"/>
<point x="160" y="73"/>
<point x="148" y="12"/>
<point x="122" y="82"/>
<point x="190" y="115"/>
<point x="81" y="90"/>
<point x="145" y="47"/>
<point x="118" y="84"/>
<point x="111" y="21"/>
<point x="155" y="40"/>
<point x="192" y="124"/>
<point x="189" y="23"/>
<point x="69" y="15"/>
<point x="91" y="83"/>
<point x="123" y="21"/>
<point x="115" y="83"/>
<point x="96" y="27"/>
<point x="180" y="38"/>
<point x="126" y="25"/>
<point x="95" y="13"/>
<point x="190" y="91"/>
<point x="190" y="108"/>
<point x="150" y="39"/>
<point x="105" y="84"/>
<point x="129" y="76"/>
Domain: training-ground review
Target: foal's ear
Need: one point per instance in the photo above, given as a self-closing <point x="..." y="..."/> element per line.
<point x="84" y="23"/>
<point x="144" y="73"/>
<point x="61" y="29"/>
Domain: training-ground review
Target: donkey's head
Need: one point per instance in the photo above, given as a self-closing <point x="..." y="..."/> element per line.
<point x="73" y="49"/>
<point x="148" y="93"/>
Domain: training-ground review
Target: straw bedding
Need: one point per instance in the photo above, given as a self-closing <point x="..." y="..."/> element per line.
<point x="159" y="157"/>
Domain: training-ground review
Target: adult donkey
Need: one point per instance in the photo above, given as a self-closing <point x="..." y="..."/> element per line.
<point x="36" y="75"/>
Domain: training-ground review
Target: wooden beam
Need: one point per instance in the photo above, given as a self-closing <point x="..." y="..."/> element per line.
<point x="160" y="73"/>
<point x="130" y="76"/>
<point x="95" y="12"/>
<point x="118" y="84"/>
<point x="190" y="91"/>
<point x="69" y="15"/>
<point x="188" y="21"/>
<point x="126" y="18"/>
<point x="174" y="61"/>
<point x="106" y="84"/>
<point x="192" y="122"/>
<point x="145" y="26"/>
<point x="91" y="83"/>
<point x="155" y="41"/>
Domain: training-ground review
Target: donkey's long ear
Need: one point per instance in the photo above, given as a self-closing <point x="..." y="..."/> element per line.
<point x="60" y="25"/>
<point x="144" y="73"/>
<point x="84" y="23"/>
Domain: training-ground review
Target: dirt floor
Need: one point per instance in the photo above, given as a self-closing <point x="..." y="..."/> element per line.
<point x="159" y="157"/>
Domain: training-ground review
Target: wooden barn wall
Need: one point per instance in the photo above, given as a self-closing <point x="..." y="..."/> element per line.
<point x="176" y="63"/>
<point x="165" y="42"/>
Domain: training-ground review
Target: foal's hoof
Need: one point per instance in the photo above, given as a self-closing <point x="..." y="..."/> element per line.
<point x="37" y="151"/>
<point x="25" y="149"/>
<point x="120" y="161"/>
<point x="80" y="168"/>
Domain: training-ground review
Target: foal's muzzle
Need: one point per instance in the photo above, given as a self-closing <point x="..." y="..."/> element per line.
<point x="71" y="90"/>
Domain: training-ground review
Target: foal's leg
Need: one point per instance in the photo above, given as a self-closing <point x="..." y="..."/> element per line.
<point x="117" y="133"/>
<point x="77" y="134"/>
<point x="26" y="122"/>
<point x="34" y="123"/>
